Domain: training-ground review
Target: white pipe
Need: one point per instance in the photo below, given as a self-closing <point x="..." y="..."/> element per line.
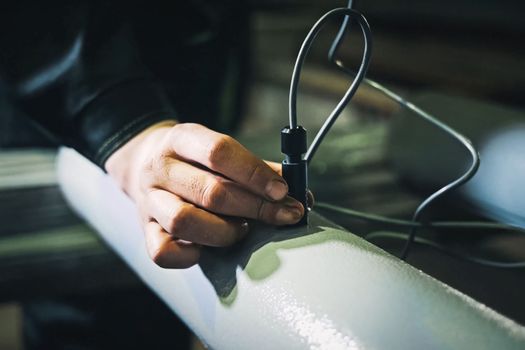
<point x="321" y="288"/>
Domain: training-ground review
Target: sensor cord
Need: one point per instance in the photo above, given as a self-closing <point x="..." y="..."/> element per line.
<point x="445" y="250"/>
<point x="305" y="47"/>
<point x="379" y="219"/>
<point x="433" y="225"/>
<point x="428" y="117"/>
<point x="416" y="222"/>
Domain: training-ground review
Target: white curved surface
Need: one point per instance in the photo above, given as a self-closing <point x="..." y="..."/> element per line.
<point x="321" y="289"/>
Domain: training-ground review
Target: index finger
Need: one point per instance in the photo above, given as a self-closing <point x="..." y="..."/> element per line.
<point x="226" y="156"/>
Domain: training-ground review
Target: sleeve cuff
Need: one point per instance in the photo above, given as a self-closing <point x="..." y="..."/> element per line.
<point x="117" y="115"/>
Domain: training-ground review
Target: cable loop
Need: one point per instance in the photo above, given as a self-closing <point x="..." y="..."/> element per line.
<point x="360" y="77"/>
<point x="423" y="206"/>
<point x="305" y="47"/>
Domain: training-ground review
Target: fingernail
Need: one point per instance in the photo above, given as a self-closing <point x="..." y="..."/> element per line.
<point x="291" y="202"/>
<point x="288" y="215"/>
<point x="276" y="190"/>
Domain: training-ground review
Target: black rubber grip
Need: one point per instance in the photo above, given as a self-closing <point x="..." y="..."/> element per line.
<point x="295" y="168"/>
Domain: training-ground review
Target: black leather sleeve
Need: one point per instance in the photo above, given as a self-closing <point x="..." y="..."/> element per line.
<point x="73" y="68"/>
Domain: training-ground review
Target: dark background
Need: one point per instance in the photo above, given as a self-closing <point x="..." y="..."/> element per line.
<point x="467" y="49"/>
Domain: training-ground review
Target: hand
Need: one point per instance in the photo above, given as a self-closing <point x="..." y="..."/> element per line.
<point x="194" y="187"/>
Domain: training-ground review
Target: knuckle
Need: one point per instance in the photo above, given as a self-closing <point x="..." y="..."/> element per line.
<point x="219" y="150"/>
<point x="180" y="219"/>
<point x="159" y="255"/>
<point x="166" y="259"/>
<point x="179" y="131"/>
<point x="155" y="171"/>
<point x="176" y="130"/>
<point x="214" y="195"/>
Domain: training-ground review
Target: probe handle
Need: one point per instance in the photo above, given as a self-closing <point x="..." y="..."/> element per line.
<point x="295" y="167"/>
<point x="296" y="176"/>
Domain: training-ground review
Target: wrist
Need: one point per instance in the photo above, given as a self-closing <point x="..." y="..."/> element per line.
<point x="124" y="165"/>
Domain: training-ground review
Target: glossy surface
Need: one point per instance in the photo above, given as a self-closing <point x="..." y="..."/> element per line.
<point x="318" y="287"/>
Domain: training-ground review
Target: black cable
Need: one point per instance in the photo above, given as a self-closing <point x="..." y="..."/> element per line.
<point x="305" y="47"/>
<point x="359" y="77"/>
<point x="409" y="224"/>
<point x="428" y="117"/>
<point x="445" y="250"/>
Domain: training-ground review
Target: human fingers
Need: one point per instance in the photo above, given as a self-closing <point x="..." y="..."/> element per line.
<point x="277" y="167"/>
<point x="167" y="251"/>
<point x="219" y="195"/>
<point x="185" y="221"/>
<point x="223" y="154"/>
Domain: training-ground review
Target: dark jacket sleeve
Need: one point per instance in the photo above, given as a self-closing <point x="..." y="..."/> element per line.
<point x="75" y="70"/>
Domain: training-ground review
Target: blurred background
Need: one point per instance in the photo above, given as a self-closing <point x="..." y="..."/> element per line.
<point x="466" y="54"/>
